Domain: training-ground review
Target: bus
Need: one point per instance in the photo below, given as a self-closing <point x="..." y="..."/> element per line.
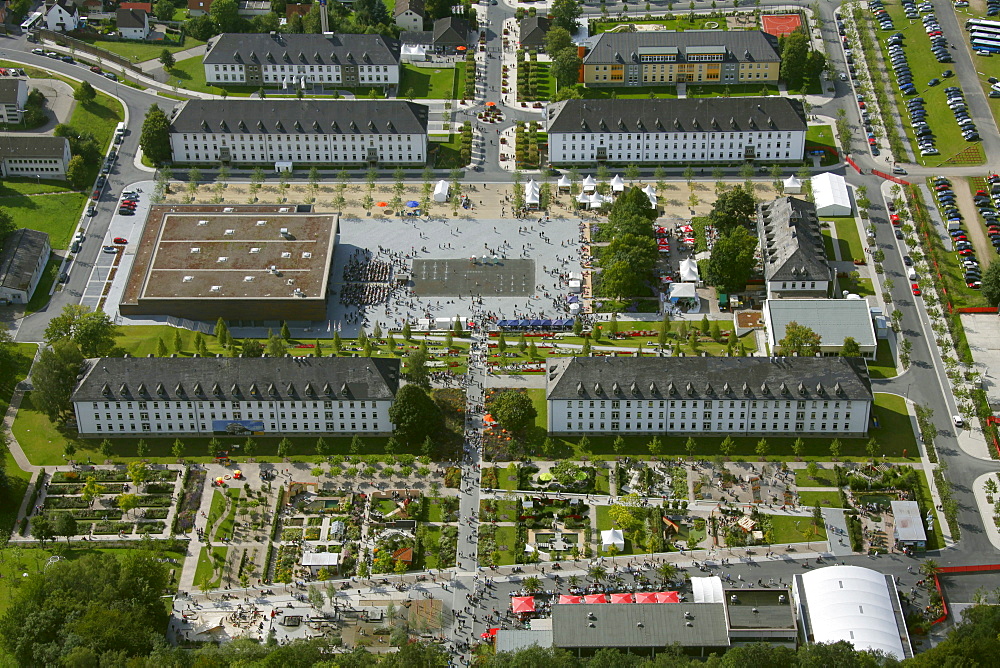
<point x="991" y="45"/>
<point x="32" y="22"/>
<point x="988" y="33"/>
<point x="981" y="23"/>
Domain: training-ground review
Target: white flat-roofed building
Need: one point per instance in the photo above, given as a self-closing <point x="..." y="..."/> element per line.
<point x="690" y="130"/>
<point x="334" y="132"/>
<point x="908" y="525"/>
<point x="235" y="396"/>
<point x="299" y="60"/>
<point x="732" y="395"/>
<point x="13" y="97"/>
<point x="833" y="319"/>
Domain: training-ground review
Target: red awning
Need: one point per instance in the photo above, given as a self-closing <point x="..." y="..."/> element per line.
<point x="521" y="604"/>
<point x="667" y="597"/>
<point x="621" y="598"/>
<point x="564" y="599"/>
<point x="645" y="597"/>
<point x="595" y="598"/>
<point x="489" y="633"/>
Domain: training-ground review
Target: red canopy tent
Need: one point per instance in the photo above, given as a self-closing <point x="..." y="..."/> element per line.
<point x="522" y="604"/>
<point x="645" y="597"/>
<point x="595" y="598"/>
<point x="489" y="419"/>
<point x="621" y="598"/>
<point x="489" y="633"/>
<point x="564" y="598"/>
<point x="667" y="597"/>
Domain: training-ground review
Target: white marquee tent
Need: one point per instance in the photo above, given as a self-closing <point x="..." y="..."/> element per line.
<point x="792" y="185"/>
<point x="689" y="271"/>
<point x="612" y="537"/>
<point x="531" y="193"/>
<point x="564" y="182"/>
<point x="682" y="291"/>
<point x="618" y="183"/>
<point x="831" y="196"/>
<point x="589" y="183"/>
<point x="651" y="194"/>
<point x="441" y="191"/>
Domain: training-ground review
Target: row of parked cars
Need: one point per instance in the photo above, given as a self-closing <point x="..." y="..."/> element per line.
<point x="913" y="10"/>
<point x="966" y="253"/>
<point x="881" y="15"/>
<point x="939" y="43"/>
<point x="955" y="99"/>
<point x="12" y="72"/>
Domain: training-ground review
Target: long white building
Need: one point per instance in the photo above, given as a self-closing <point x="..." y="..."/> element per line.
<point x="718" y="395"/>
<point x="300" y="60"/>
<point x="690" y="130"/>
<point x="332" y="132"/>
<point x="235" y="396"/>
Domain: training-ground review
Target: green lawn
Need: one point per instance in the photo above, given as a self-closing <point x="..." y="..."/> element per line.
<point x="56" y="215"/>
<point x="884" y="366"/>
<point x="99" y="118"/>
<point x="925" y="67"/>
<point x="448" y="154"/>
<point x="13" y="493"/>
<point x="15" y="187"/>
<point x="139" y="51"/>
<point x="41" y="296"/>
<point x="505" y="536"/>
<point x="824" y="478"/>
<point x="190" y="74"/>
<point x="847" y="237"/>
<point x="204" y="568"/>
<point x="861" y="286"/>
<point x="730" y="90"/>
<point x="789" y="529"/>
<point x="823" y="499"/>
<point x="427" y="82"/>
<point x="679" y="25"/>
<point x="630" y="92"/>
<point x="820" y="138"/>
<point x="225" y="530"/>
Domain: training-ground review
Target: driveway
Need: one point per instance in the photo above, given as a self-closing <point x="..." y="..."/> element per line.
<point x="59" y="102"/>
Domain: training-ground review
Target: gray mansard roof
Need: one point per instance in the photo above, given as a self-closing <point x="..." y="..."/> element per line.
<point x="21" y="251"/>
<point x="701" y="378"/>
<point x="791" y="242"/>
<point x="289" y="116"/>
<point x="750" y="46"/>
<point x="301" y="49"/>
<point x="704" y="114"/>
<point x="238" y="379"/>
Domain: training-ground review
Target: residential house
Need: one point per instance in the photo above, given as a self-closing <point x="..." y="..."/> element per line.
<point x="409" y="14"/>
<point x="133" y="23"/>
<point x="33" y="156"/>
<point x="22" y="263"/>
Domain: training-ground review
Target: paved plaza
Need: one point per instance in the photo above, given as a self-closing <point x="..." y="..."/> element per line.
<point x="521" y="268"/>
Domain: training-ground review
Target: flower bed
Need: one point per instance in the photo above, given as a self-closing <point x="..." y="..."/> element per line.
<point x="312" y="533"/>
<point x="287" y="559"/>
<point x="155" y="500"/>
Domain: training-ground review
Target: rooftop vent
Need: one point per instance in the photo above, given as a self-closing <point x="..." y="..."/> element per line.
<point x="202" y="223"/>
<point x="215" y="288"/>
<point x="286" y="254"/>
<point x="195" y="249"/>
<point x="306" y="255"/>
<point x="187" y="279"/>
<point x="223" y="258"/>
<point x="254" y="250"/>
<point x="261" y="223"/>
<point x="247" y="279"/>
<point x="229" y="233"/>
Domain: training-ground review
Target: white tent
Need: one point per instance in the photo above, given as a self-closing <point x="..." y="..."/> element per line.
<point x="531" y="193"/>
<point x="583" y="198"/>
<point x="792" y="185"/>
<point x="413" y="52"/>
<point x="689" y="271"/>
<point x="613" y="537"/>
<point x="589" y="183"/>
<point x="651" y="194"/>
<point x="618" y="183"/>
<point x="283" y="166"/>
<point x="707" y="590"/>
<point x="441" y="191"/>
<point x="682" y="291"/>
<point x="597" y="200"/>
<point x="831" y="196"/>
<point x="564" y="182"/>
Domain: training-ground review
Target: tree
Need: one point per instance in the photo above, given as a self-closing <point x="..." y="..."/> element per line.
<point x="407" y="332"/>
<point x="356" y="445"/>
<point x="655" y="446"/>
<point x="835" y="448"/>
<point x="85" y="93"/>
<point x="252" y="348"/>
<point x="177" y="449"/>
<point x="127" y="502"/>
<point x="77" y="172"/>
<point x="65" y="525"/>
<point x="167" y="59"/>
<point x="92" y="331"/>
<point x="799" y="339"/>
<point x="733" y="208"/>
<point x="565" y="67"/>
<point x="798" y="447"/>
<point x="276" y="346"/>
<point x="321" y="447"/>
<point x="414" y="414"/>
<point x="161" y="348"/>
<point x="225" y="16"/>
<point x="850" y="348"/>
<point x="139" y="473"/>
<point x="513" y="410"/>
<point x="565" y="14"/>
<point x="417" y="371"/>
<point x="794" y="58"/>
<point x="991" y="284"/>
<point x="178" y="341"/>
<point x="872" y="447"/>
<point x="42" y="529"/>
<point x="107" y="450"/>
<point x="164" y="10"/>
<point x="155" y="137"/>
<point x="54" y="377"/>
<point x="557" y="39"/>
<point x="623" y="514"/>
<point x="732" y="260"/>
<point x="762" y="448"/>
<point x="249" y="447"/>
<point x="141" y="448"/>
<point x="667" y="572"/>
<point x="727" y="446"/>
<point x="374" y="12"/>
<point x="92" y="490"/>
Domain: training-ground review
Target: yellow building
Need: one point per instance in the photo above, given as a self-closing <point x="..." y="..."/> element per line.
<point x="669" y="58"/>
